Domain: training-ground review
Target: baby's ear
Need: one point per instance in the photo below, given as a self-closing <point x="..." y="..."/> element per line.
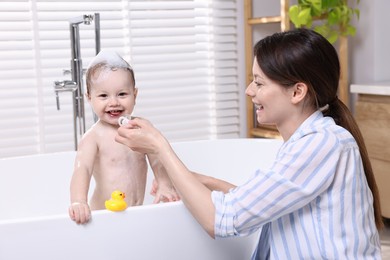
<point x="135" y="92"/>
<point x="88" y="96"/>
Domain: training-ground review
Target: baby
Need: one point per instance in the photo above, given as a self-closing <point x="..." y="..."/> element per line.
<point x="112" y="93"/>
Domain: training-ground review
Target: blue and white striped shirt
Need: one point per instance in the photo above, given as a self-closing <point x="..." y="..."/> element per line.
<point x="312" y="203"/>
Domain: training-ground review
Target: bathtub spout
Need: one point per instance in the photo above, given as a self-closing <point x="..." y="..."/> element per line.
<point x="75" y="85"/>
<point x="63" y="86"/>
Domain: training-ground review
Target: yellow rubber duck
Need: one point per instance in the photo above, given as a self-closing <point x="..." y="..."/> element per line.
<point x="117" y="202"/>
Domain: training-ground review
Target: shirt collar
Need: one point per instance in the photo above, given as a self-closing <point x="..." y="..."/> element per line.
<point x="307" y="126"/>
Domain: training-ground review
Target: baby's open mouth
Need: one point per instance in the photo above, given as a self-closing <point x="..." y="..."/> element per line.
<point x="114" y="112"/>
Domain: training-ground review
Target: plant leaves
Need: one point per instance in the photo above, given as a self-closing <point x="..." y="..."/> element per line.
<point x="351" y="30"/>
<point x="357" y="12"/>
<point x="327" y="4"/>
<point x="304" y="16"/>
<point x="293" y="12"/>
<point x="333" y="36"/>
<point x="322" y="29"/>
<point x="333" y="17"/>
<point x="316" y="7"/>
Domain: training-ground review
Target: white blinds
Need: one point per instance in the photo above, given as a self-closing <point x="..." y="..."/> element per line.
<point x="184" y="54"/>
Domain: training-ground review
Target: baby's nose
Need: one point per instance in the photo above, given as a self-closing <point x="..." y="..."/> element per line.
<point x="113" y="101"/>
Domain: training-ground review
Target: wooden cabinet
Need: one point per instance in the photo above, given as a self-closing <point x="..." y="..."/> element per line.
<point x="283" y="20"/>
<point x="372" y="113"/>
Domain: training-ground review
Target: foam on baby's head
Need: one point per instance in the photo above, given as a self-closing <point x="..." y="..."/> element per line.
<point x="111" y="59"/>
<point x="104" y="63"/>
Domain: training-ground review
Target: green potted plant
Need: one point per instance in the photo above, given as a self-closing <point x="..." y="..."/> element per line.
<point x="331" y="18"/>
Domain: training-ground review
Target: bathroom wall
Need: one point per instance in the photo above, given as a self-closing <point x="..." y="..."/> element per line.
<point x="369" y="52"/>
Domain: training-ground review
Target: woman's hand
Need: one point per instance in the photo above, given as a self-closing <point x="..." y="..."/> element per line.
<point x="141" y="136"/>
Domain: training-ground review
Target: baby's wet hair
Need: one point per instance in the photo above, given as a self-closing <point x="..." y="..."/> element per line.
<point x="106" y="61"/>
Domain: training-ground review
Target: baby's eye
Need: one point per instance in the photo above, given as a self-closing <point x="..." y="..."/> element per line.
<point x="123" y="94"/>
<point x="102" y="95"/>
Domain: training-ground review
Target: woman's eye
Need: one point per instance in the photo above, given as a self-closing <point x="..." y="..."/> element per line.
<point x="258" y="84"/>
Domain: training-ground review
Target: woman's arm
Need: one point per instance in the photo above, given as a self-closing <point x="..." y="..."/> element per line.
<point x="141" y="136"/>
<point x="214" y="184"/>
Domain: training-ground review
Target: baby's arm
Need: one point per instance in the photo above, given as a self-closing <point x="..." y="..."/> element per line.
<point x="79" y="210"/>
<point x="162" y="187"/>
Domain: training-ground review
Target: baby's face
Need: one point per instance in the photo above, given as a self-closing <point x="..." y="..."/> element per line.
<point x="112" y="95"/>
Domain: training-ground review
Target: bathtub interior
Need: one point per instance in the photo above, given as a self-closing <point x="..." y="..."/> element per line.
<point x="34" y="197"/>
<point x="38" y="185"/>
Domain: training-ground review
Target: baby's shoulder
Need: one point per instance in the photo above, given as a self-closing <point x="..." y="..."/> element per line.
<point x="97" y="136"/>
<point x="90" y="136"/>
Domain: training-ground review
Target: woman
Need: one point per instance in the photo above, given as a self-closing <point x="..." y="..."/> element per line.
<point x="319" y="199"/>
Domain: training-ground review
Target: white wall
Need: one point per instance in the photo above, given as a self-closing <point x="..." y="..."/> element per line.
<point x="369" y="50"/>
<point x="382" y="40"/>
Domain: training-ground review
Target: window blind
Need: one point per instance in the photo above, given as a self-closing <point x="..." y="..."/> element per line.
<point x="184" y="54"/>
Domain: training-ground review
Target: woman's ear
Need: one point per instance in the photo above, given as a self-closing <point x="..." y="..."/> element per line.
<point x="299" y="92"/>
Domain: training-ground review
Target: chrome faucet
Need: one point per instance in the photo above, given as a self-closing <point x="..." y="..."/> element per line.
<point x="75" y="85"/>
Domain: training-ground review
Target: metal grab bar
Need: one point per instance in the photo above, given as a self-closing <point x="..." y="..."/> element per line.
<point x="75" y="85"/>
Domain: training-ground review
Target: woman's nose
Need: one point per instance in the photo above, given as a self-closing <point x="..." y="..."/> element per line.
<point x="248" y="90"/>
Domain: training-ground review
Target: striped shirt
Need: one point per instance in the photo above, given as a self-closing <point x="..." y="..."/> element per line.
<point x="312" y="203"/>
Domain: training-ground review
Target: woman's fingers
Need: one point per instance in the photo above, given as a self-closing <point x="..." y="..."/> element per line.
<point x="139" y="135"/>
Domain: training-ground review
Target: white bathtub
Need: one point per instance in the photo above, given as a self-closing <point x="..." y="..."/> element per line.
<point x="34" y="198"/>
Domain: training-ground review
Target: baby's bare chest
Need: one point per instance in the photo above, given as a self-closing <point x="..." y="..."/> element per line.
<point x="113" y="155"/>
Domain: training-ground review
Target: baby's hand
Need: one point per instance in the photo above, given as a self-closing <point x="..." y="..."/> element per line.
<point x="163" y="192"/>
<point x="79" y="212"/>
